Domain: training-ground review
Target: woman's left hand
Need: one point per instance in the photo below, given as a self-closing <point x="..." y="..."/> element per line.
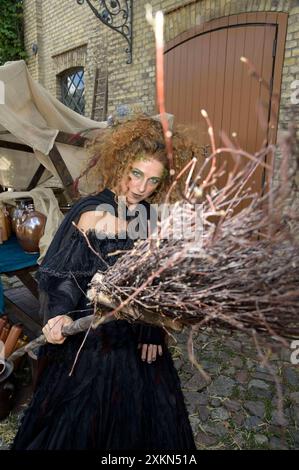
<point x="149" y="352"/>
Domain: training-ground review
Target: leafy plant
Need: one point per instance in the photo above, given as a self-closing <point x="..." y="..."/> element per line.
<point x="11" y="31"/>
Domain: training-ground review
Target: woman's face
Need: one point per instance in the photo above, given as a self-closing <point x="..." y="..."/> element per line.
<point x="144" y="177"/>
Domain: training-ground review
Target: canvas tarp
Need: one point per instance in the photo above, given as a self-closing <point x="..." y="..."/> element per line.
<point x="30" y="115"/>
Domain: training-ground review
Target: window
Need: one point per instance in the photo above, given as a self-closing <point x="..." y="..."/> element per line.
<point x="72" y="89"/>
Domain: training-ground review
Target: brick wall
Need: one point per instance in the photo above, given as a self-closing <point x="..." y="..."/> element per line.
<point x="70" y="35"/>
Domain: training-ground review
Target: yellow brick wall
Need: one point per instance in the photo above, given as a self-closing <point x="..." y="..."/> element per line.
<point x="69" y="34"/>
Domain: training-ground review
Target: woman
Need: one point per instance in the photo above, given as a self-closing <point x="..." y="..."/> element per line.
<point x="123" y="391"/>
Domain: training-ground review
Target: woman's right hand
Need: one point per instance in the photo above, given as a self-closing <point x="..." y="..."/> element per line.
<point x="52" y="330"/>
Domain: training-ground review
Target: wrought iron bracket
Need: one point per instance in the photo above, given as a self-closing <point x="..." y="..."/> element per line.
<point x="117" y="15"/>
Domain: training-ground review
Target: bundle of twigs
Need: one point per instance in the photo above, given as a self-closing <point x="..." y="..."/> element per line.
<point x="242" y="272"/>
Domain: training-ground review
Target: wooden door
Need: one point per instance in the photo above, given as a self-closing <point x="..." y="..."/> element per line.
<point x="203" y="71"/>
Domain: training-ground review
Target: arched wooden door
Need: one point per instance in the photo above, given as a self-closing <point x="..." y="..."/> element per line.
<point x="203" y="71"/>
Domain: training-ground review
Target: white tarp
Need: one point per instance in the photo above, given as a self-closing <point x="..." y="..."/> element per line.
<point x="30" y="115"/>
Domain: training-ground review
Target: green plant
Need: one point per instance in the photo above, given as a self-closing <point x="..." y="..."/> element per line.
<point x="11" y="31"/>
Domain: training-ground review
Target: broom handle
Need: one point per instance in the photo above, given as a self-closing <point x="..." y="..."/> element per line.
<point x="80" y="325"/>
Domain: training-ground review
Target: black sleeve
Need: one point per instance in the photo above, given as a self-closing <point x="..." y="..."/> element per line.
<point x="64" y="298"/>
<point x="148" y="334"/>
<point x="64" y="278"/>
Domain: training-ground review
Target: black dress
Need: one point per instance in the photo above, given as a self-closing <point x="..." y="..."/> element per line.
<point x="112" y="400"/>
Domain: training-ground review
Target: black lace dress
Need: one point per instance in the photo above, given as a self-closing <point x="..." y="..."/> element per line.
<point x="112" y="400"/>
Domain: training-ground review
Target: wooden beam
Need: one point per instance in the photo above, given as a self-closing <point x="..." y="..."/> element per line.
<point x="36" y="177"/>
<point x="16" y="146"/>
<point x="69" y="139"/>
<point x="62" y="171"/>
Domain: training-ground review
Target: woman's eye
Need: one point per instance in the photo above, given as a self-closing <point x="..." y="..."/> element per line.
<point x="154" y="181"/>
<point x="136" y="173"/>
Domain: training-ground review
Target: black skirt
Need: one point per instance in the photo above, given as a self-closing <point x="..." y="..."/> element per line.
<point x="112" y="401"/>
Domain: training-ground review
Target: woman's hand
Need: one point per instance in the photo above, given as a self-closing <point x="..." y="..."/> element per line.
<point x="149" y="352"/>
<point x="52" y="330"/>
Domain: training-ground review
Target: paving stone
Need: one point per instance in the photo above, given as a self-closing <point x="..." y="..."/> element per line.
<point x="178" y="363"/>
<point x="203" y="439"/>
<point x="220" y="413"/>
<point x="252" y="422"/>
<point x="285" y="355"/>
<point x="261" y="439"/>
<point x="203" y="413"/>
<point x="215" y="402"/>
<point x="195" y="422"/>
<point x="258" y="384"/>
<point x="260" y="394"/>
<point x="256" y="408"/>
<point x="267" y="377"/>
<point x="191" y="397"/>
<point x="295" y="436"/>
<point x="216" y="429"/>
<point x="231" y="371"/>
<point x="291" y="376"/>
<point x="232" y="405"/>
<point x="210" y="367"/>
<point x="242" y="377"/>
<point x="238" y="418"/>
<point x="237" y="362"/>
<point x="239" y="440"/>
<point x="250" y="364"/>
<point x="265" y="370"/>
<point x="276" y="443"/>
<point x="222" y="386"/>
<point x="276" y="430"/>
<point x="294" y="397"/>
<point x="203" y="398"/>
<point x="259" y="388"/>
<point x="278" y="419"/>
<point x="234" y="344"/>
<point x="296" y="415"/>
<point x="197" y="382"/>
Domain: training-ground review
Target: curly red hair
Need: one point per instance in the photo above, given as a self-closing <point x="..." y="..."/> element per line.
<point x="114" y="150"/>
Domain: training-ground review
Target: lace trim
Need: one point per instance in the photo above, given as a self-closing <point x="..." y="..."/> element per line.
<point x="122" y="235"/>
<point x="66" y="273"/>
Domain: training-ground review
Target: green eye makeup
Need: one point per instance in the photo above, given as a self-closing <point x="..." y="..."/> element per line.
<point x="138" y="174"/>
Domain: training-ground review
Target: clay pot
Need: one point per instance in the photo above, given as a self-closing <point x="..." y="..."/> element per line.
<point x="31" y="229"/>
<point x="17" y="211"/>
<point x="12" y="338"/>
<point x="3" y="322"/>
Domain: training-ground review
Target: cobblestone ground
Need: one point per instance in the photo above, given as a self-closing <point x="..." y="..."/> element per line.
<point x="238" y="408"/>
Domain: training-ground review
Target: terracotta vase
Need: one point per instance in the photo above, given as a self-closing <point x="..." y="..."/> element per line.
<point x="12" y="338"/>
<point x="31" y="229"/>
<point x="3" y="322"/>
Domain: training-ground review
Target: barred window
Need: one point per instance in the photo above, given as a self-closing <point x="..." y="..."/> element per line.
<point x="72" y="89"/>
